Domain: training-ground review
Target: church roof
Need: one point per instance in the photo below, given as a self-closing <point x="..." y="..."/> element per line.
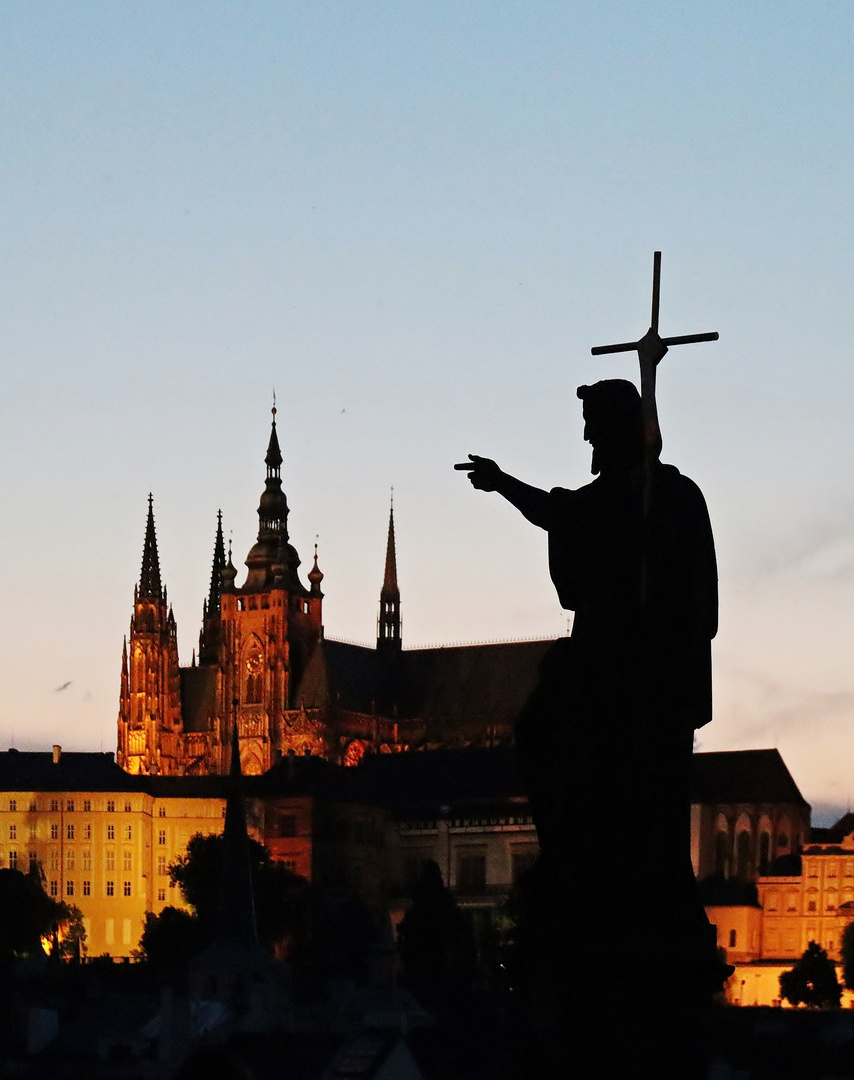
<point x="475" y="683"/>
<point x="744" y="776"/>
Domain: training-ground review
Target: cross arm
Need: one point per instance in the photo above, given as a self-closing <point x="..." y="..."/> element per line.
<point x="631" y="346"/>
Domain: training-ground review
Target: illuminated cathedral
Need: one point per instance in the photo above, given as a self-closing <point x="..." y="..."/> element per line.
<point x="265" y="666"/>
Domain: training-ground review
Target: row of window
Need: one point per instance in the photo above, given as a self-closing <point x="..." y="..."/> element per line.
<point x="72" y="832"/>
<point x="109" y="888"/>
<point x="71" y="858"/>
<point x="831" y="870"/>
<point x="70" y="806"/>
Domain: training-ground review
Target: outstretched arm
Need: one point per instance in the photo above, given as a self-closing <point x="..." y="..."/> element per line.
<point x="485" y="475"/>
<point x="651" y="349"/>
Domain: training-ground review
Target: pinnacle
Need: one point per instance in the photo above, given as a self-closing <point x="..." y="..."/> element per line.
<point x="149" y="579"/>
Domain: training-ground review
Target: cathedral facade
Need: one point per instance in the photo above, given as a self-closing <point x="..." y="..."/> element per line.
<point x="264" y="666"/>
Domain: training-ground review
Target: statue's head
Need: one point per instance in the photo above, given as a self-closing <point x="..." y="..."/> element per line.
<point x="613" y="425"/>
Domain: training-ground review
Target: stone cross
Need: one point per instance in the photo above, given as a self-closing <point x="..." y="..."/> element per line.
<point x="683" y="339"/>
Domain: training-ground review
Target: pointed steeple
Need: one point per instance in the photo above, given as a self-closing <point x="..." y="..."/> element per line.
<point x="273" y="508"/>
<point x="272" y="561"/>
<point x="388" y="623"/>
<point x="315" y="575"/>
<point x="211" y="633"/>
<point x="215" y="593"/>
<point x="149" y="578"/>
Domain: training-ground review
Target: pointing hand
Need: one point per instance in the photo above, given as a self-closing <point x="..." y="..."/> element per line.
<point x="484" y="474"/>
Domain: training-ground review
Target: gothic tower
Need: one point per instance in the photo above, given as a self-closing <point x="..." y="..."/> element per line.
<point x="388" y="622"/>
<point x="150" y="701"/>
<point x="268" y="628"/>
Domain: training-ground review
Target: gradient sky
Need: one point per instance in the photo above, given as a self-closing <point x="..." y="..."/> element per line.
<point x="414" y="220"/>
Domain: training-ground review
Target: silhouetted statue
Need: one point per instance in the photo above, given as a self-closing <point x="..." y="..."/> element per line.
<point x="605" y="741"/>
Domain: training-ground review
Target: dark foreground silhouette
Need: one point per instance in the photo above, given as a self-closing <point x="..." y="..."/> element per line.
<point x="620" y="957"/>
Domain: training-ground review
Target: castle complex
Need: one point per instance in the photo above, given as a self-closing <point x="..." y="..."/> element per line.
<point x="264" y="665"/>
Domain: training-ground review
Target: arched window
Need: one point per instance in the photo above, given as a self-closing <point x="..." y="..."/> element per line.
<point x="722" y="854"/>
<point x="743" y="867"/>
<point x="764" y="852"/>
<point x="253" y="673"/>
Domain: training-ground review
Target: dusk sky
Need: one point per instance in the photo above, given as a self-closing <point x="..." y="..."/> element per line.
<point x="414" y="220"/>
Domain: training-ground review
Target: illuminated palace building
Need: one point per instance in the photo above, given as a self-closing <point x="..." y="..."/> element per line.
<point x="264" y="664"/>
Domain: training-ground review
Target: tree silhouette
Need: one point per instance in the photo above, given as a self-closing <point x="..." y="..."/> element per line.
<point x="812" y="981"/>
<point x="281" y="896"/>
<point x="435" y="938"/>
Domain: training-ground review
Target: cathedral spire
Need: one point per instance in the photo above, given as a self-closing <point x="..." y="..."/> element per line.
<point x="210" y="637"/>
<point x="388" y="624"/>
<point x="149" y="578"/>
<point x="273" y="508"/>
<point x="215" y="594"/>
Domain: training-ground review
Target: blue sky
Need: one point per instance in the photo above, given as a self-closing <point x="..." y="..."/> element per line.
<point x="414" y="220"/>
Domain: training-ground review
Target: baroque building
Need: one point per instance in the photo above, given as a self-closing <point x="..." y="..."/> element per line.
<point x="265" y="666"/>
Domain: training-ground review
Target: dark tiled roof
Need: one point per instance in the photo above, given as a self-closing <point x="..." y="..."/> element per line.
<point x="35" y="771"/>
<point x="423" y="783"/>
<point x="480" y="684"/>
<point x="836" y="832"/>
<point x="744" y="776"/>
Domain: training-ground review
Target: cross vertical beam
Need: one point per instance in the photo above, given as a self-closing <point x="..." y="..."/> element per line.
<point x="682" y="339"/>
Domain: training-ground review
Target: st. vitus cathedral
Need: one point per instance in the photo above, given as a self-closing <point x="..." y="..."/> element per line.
<point x="264" y="664"/>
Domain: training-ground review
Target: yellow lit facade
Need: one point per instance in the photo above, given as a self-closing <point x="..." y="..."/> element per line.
<point x="106" y="852"/>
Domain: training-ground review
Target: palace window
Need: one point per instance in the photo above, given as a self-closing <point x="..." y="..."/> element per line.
<point x="128" y="808"/>
<point x="127" y="860"/>
<point x="161" y="866"/>
<point x="87" y="832"/>
<point x="161" y="837"/>
<point x="32" y="828"/>
<point x="69" y="806"/>
<point x="69" y="859"/>
<point x="13" y="832"/>
<point x="110" y="860"/>
<point x="33" y="806"/>
<point x="13" y="805"/>
<point x="128" y="832"/>
<point x="54" y="888"/>
<point x="111" y="806"/>
<point x="54" y="832"/>
<point x="13" y="859"/>
<point x="126" y="888"/>
<point x="87" y="888"/>
<point x="471" y="873"/>
<point x="161" y="812"/>
<point x="54" y="859"/>
<point x="111" y="832"/>
<point x="111" y="888"/>
<point x="54" y="804"/>
<point x="87" y="860"/>
<point x="69" y="888"/>
<point x="69" y="832"/>
<point x="87" y="806"/>
<point x="161" y="895"/>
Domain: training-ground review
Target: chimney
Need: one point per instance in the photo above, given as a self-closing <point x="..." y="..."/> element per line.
<point x="57" y="753"/>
